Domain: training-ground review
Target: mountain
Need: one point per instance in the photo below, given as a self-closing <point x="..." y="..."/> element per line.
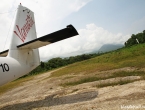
<point x="110" y="47"/>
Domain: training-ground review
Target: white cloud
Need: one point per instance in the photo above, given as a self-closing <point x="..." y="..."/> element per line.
<point x="48" y="14"/>
<point x="91" y="38"/>
<point x="6" y="15"/>
<point x="78" y="4"/>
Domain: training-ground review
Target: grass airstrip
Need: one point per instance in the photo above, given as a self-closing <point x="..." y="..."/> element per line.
<point x="125" y="57"/>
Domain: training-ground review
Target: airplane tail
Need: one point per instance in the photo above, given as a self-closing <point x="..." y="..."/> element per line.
<point x="24" y="31"/>
<point x="24" y="43"/>
<point x="23" y="55"/>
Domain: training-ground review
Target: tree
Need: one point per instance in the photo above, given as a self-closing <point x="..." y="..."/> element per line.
<point x="143" y="36"/>
<point x="133" y="36"/>
<point x="135" y="39"/>
<point x="42" y="64"/>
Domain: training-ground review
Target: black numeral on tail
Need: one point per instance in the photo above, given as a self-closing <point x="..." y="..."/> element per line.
<point x="5" y="67"/>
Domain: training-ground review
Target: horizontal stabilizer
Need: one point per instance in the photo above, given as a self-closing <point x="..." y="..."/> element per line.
<point x="4" y="53"/>
<point x="62" y="34"/>
<point x="50" y="38"/>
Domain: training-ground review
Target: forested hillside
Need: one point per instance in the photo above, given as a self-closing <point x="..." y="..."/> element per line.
<point x="136" y="39"/>
<point x="59" y="62"/>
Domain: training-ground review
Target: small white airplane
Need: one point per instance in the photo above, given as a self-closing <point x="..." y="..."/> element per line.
<point x="23" y="55"/>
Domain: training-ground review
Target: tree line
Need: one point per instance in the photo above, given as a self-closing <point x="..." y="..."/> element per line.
<point x="59" y="62"/>
<point x="135" y="39"/>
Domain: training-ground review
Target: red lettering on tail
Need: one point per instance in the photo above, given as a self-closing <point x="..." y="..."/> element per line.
<point x="23" y="32"/>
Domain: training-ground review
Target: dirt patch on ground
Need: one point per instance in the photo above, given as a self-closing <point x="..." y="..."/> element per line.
<point x="45" y="93"/>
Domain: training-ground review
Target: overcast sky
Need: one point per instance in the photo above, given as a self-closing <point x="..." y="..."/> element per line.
<point x="97" y="21"/>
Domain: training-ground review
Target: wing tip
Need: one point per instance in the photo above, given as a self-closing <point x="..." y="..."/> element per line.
<point x="72" y="29"/>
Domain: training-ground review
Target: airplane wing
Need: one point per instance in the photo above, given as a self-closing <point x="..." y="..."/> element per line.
<point x="65" y="33"/>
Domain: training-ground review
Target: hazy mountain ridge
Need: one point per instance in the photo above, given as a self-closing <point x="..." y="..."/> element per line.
<point x="110" y="47"/>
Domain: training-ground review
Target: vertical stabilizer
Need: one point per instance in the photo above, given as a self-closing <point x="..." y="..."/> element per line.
<point x="23" y="31"/>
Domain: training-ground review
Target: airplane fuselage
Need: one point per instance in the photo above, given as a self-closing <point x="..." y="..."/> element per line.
<point x="10" y="69"/>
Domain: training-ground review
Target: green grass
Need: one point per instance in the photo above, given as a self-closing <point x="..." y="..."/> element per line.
<point x="85" y="67"/>
<point x="113" y="75"/>
<point x="84" y="80"/>
<point x="126" y="57"/>
<point x="115" y="83"/>
<point x="125" y="73"/>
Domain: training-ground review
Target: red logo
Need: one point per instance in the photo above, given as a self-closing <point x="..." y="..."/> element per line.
<point x="22" y="32"/>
